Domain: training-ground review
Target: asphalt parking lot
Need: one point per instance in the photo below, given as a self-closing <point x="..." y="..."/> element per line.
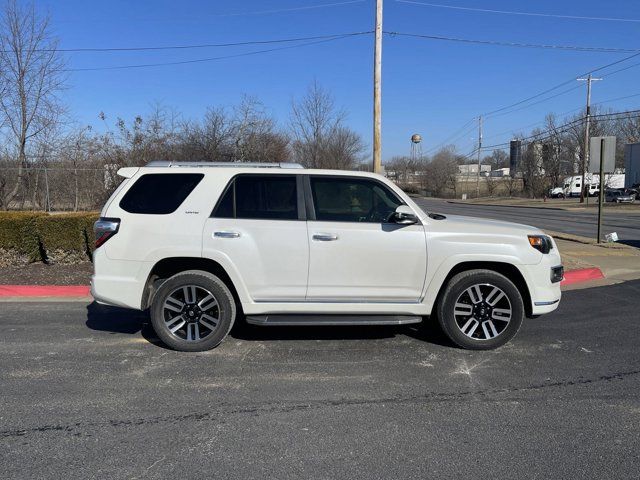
<point x="88" y="393"/>
<point x="577" y="222"/>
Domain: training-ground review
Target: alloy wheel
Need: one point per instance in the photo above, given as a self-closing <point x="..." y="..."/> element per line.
<point x="482" y="311"/>
<point x="191" y="313"/>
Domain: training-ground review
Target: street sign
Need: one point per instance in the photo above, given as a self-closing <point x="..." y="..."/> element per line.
<point x="609" y="164"/>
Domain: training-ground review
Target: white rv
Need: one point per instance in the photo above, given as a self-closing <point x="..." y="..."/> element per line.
<point x="573" y="185"/>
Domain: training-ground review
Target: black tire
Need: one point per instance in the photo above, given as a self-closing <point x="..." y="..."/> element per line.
<point x="225" y="310"/>
<point x="452" y="325"/>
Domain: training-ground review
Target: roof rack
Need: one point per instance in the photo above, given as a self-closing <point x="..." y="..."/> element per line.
<point x="163" y="163"/>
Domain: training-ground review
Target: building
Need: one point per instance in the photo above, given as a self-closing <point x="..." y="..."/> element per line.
<point x="500" y="172"/>
<point x="472" y="169"/>
<point x="631" y="164"/>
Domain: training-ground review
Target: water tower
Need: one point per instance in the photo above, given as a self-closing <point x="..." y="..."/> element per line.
<point x="416" y="147"/>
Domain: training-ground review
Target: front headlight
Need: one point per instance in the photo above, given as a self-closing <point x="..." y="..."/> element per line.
<point x="542" y="243"/>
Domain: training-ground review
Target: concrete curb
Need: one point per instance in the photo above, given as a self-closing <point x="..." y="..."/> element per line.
<point x="583" y="275"/>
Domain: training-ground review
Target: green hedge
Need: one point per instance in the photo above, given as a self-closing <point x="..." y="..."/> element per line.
<point x="39" y="235"/>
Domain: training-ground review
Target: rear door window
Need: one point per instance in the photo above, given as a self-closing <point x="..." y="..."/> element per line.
<point x="159" y="193"/>
<point x="273" y="197"/>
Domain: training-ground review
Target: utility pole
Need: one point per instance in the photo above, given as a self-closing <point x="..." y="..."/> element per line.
<point x="377" y="92"/>
<point x="479" y="148"/>
<point x="587" y="124"/>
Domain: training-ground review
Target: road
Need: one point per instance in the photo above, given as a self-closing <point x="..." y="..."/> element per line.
<point x="86" y="392"/>
<point x="582" y="222"/>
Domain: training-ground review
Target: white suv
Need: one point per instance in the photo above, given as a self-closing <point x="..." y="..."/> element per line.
<point x="200" y="244"/>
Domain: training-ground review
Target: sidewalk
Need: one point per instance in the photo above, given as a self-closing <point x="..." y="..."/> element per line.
<point x="617" y="262"/>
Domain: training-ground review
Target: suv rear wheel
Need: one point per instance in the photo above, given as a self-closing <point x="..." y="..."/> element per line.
<point x="193" y="311"/>
<point x="480" y="310"/>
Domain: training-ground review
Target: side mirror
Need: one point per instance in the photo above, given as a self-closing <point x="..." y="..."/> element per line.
<point x="404" y="216"/>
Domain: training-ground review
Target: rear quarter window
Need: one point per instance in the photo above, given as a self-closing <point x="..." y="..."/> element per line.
<point x="159" y="193"/>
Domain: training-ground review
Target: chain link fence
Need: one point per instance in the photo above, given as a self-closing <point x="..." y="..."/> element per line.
<point x="58" y="189"/>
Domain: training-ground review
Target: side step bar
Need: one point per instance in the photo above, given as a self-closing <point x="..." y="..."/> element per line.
<point x="309" y="320"/>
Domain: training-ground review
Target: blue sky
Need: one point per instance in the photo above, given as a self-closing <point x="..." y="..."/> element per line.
<point x="429" y="87"/>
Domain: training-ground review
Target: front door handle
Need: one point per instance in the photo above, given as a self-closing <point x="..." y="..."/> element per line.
<point x="324" y="237"/>
<point x="226" y="234"/>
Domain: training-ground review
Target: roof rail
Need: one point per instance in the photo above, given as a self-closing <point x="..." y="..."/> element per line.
<point x="163" y="163"/>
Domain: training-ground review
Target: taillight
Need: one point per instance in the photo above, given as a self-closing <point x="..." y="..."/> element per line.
<point x="105" y="228"/>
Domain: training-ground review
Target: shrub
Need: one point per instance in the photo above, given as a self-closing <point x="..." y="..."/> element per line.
<point x="43" y="237"/>
<point x="18" y="232"/>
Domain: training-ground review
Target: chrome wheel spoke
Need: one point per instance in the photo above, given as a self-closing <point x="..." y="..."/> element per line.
<point x="189" y="293"/>
<point x="173" y="304"/>
<point x="177" y="326"/>
<point x="463" y="309"/>
<point x="207" y="303"/>
<point x="489" y="329"/>
<point x="208" y="321"/>
<point x="173" y="320"/>
<point x="475" y="294"/>
<point x="503" y="314"/>
<point x="470" y="326"/>
<point x="495" y="296"/>
<point x="193" y="332"/>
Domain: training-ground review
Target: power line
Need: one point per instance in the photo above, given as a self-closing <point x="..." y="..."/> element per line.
<point x="292" y="9"/>
<point x="538" y="102"/>
<point x="602" y="102"/>
<point x="577" y="48"/>
<point x="322" y="37"/>
<point x="560" y="85"/>
<point x="202" y="45"/>
<point x="563" y="128"/>
<point x="531" y="14"/>
<point x="211" y="59"/>
<point x="454" y="136"/>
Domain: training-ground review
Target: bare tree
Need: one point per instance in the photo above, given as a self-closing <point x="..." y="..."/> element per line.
<point x="254" y="134"/>
<point x="440" y="174"/>
<point x="31" y="77"/>
<point x="512" y="183"/>
<point x="320" y="138"/>
<point x="491" y="185"/>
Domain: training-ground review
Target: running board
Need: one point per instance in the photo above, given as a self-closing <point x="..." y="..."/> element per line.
<point x="310" y="320"/>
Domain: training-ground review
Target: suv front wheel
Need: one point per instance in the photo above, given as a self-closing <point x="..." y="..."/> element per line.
<point x="193" y="311"/>
<point x="480" y="310"/>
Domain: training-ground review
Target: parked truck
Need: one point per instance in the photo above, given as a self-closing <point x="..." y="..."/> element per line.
<point x="573" y="185"/>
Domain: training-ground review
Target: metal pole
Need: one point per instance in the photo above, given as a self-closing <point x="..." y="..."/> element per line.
<point x="586" y="142"/>
<point x="46" y="184"/>
<point x="377" y="92"/>
<point x="601" y="196"/>
<point x="479" y="148"/>
<point x="587" y="125"/>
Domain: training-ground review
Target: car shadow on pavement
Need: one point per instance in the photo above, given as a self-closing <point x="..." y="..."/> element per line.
<point x="631" y="243"/>
<point x="116" y="320"/>
<point x="428" y="331"/>
<point x="121" y="320"/>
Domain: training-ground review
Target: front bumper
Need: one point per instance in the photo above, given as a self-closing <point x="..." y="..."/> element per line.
<point x="545" y="293"/>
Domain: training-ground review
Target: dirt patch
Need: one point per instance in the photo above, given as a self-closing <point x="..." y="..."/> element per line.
<point x="43" y="274"/>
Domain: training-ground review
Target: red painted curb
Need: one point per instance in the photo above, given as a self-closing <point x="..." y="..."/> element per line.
<point x="44" y="291"/>
<point x="583" y="275"/>
<point x="570" y="277"/>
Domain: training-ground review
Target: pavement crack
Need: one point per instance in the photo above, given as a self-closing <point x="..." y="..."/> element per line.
<point x="279" y="407"/>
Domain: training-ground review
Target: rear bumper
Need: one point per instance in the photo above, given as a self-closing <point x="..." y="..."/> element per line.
<point x="118" y="282"/>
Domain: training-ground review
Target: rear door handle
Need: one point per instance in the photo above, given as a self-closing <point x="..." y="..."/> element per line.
<point x="324" y="237"/>
<point x="226" y="234"/>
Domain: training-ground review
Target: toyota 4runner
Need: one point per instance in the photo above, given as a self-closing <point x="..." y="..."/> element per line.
<point x="202" y="244"/>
